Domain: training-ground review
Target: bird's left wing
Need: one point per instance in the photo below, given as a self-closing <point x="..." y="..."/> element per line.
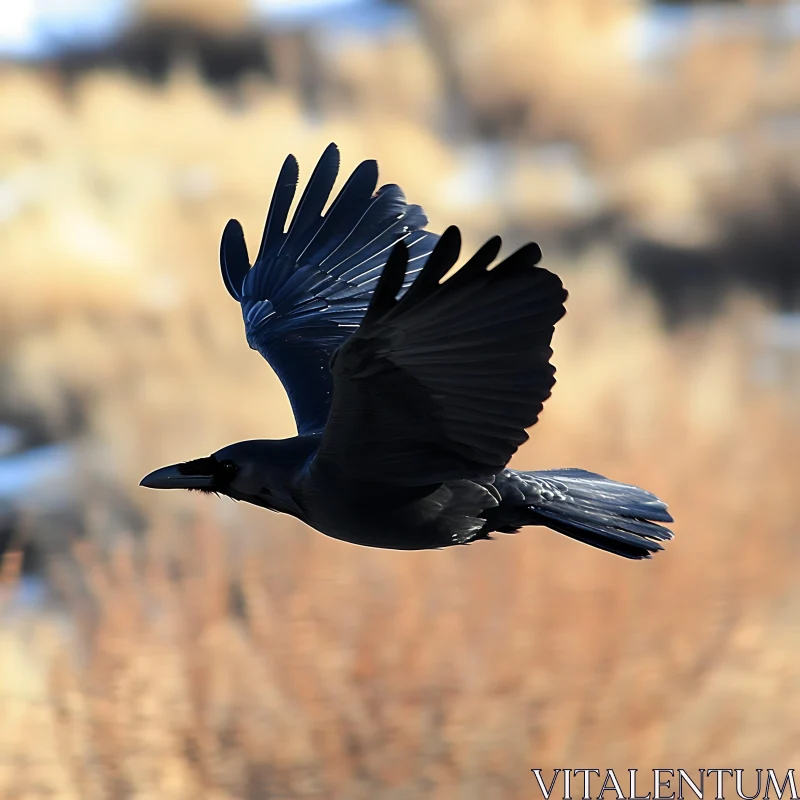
<point x="441" y="383"/>
<point x="311" y="284"/>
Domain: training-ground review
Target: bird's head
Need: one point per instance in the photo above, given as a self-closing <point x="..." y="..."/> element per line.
<point x="262" y="472"/>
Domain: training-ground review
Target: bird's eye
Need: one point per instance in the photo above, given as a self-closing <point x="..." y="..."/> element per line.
<point x="228" y="466"/>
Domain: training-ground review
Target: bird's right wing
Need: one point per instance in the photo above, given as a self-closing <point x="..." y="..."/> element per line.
<point x="441" y="383"/>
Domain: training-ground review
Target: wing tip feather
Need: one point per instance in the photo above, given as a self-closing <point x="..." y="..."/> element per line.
<point x="234" y="260"/>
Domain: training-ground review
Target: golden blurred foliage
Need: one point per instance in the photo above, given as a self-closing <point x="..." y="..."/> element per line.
<point x="231" y="653"/>
<point x="225" y="16"/>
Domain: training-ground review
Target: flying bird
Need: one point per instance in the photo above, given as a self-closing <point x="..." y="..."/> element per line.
<point x="411" y="390"/>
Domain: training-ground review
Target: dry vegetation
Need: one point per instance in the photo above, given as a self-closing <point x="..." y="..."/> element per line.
<point x="230" y="653"/>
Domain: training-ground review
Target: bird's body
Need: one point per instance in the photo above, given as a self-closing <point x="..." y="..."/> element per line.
<point x="285" y="476"/>
<point x="411" y="392"/>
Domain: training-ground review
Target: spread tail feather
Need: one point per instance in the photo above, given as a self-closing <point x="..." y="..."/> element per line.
<point x="611" y="516"/>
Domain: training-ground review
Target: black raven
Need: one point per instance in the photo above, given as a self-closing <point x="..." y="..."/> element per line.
<point x="411" y="392"/>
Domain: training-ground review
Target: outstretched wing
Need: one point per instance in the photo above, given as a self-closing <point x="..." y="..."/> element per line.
<point x="441" y="384"/>
<point x="311" y="284"/>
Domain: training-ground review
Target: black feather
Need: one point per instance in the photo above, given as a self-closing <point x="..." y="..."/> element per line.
<point x="440" y="261"/>
<point x="233" y="258"/>
<point x="307" y="218"/>
<point x="279" y="206"/>
<point x="384" y="297"/>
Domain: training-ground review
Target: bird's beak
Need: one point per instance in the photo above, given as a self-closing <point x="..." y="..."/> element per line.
<point x="172" y="478"/>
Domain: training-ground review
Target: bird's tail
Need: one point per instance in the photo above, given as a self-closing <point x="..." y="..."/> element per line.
<point x="603" y="513"/>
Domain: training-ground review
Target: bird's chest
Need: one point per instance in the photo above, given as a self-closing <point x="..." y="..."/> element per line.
<point x="373" y="516"/>
<point x="396" y="518"/>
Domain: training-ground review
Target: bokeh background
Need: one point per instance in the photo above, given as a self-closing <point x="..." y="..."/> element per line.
<point x="167" y="645"/>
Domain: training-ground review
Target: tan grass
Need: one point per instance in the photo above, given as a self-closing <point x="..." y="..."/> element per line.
<point x="347" y="672"/>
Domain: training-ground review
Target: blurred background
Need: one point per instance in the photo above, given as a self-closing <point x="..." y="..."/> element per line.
<point x="162" y="645"/>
